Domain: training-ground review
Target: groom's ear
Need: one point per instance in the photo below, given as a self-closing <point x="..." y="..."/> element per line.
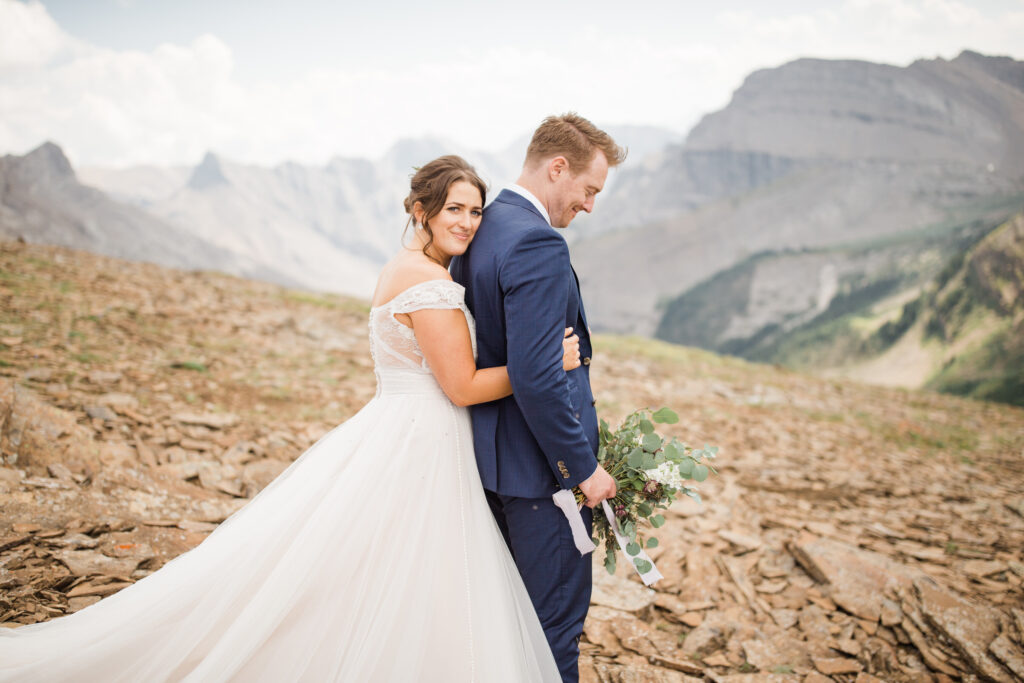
<point x="557" y="167"/>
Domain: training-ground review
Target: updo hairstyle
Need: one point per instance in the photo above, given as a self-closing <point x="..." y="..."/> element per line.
<point x="430" y="185"/>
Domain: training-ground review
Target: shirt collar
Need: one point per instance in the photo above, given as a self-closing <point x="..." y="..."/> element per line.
<point x="526" y="194"/>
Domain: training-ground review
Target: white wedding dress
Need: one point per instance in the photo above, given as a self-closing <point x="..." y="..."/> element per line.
<point x="374" y="557"/>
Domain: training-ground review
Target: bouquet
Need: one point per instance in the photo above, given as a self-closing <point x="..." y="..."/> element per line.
<point x="650" y="472"/>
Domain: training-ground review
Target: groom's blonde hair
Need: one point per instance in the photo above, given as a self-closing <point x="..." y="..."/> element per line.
<point x="575" y="138"/>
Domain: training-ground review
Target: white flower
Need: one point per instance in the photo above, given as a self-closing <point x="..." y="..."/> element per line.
<point x="666" y="474"/>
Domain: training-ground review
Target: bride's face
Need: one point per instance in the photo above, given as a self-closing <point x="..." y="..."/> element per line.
<point x="457" y="221"/>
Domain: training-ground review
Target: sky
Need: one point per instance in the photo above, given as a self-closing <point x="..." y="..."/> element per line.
<point x="125" y="82"/>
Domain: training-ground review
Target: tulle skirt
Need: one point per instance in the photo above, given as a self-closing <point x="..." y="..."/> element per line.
<point x="374" y="557"/>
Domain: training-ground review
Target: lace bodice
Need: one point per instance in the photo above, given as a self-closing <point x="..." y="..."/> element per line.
<point x="392" y="344"/>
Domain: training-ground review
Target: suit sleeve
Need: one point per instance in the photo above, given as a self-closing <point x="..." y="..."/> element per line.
<point x="535" y="284"/>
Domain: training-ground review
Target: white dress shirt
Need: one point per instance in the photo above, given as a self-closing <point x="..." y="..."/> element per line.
<point x="523" y="192"/>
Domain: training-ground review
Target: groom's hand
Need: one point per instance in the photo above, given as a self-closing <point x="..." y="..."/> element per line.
<point x="598" y="486"/>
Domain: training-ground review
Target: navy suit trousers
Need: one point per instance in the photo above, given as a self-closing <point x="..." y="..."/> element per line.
<point x="555" y="574"/>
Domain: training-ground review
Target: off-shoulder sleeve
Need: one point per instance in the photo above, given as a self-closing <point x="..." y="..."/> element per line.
<point x="443" y="294"/>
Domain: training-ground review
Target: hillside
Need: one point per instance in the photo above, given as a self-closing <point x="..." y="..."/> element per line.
<point x="946" y="316"/>
<point x="851" y="528"/>
<point x="814" y="155"/>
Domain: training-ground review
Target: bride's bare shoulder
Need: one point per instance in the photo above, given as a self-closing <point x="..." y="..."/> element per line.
<point x="405" y="271"/>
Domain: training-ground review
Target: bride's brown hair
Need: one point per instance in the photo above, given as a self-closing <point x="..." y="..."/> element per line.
<point x="429" y="186"/>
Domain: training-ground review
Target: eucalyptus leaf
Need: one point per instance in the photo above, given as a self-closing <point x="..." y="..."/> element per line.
<point x="686" y="468"/>
<point x="652" y="542"/>
<point x="646" y="427"/>
<point x="700" y="472"/>
<point x="635" y="458"/>
<point x="632" y="548"/>
<point x="651" y="442"/>
<point x="657" y="521"/>
<point x="643" y="566"/>
<point x="665" y="416"/>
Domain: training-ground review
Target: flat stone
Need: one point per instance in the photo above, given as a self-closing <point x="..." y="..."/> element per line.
<point x="971" y="627"/>
<point x="104" y="377"/>
<point x="858" y="579"/>
<point x="815" y="677"/>
<point x="75" y="604"/>
<point x="91" y="563"/>
<point x="100" y="412"/>
<point x="830" y="666"/>
<point x="1008" y="654"/>
<point x="11" y="477"/>
<point x="598" y="629"/>
<point x="983" y="568"/>
<point x="25" y="528"/>
<point x="617" y="592"/>
<point x="692" y="619"/>
<point x="710" y="636"/>
<point x="75" y="542"/>
<point x="60" y="471"/>
<point x="772" y="587"/>
<point x="258" y="474"/>
<point x="785" y="618"/>
<point x="117" y="400"/>
<point x="39" y="374"/>
<point x="101" y="590"/>
<point x="116" y="454"/>
<point x="777" y="650"/>
<point x="891" y="613"/>
<point x="867" y="678"/>
<point x="211" y="420"/>
<point x="742" y="542"/>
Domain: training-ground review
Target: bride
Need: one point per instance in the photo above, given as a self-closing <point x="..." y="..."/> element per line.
<point x="374" y="556"/>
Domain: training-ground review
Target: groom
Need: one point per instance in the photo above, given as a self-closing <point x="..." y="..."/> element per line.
<point x="523" y="292"/>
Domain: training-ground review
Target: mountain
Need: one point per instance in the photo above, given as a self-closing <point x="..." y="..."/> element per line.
<point x="42" y="201"/>
<point x="328" y="227"/>
<point x="837" y="158"/>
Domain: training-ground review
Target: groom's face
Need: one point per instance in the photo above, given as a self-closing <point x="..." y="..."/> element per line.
<point x="576" y="192"/>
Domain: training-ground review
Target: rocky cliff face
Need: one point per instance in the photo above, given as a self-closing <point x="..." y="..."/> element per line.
<point x="813" y="155"/>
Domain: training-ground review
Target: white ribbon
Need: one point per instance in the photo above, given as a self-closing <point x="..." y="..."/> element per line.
<point x="566" y="502"/>
<point x="647" y="577"/>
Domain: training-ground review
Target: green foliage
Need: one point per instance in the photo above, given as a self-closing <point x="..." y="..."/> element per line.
<point x="649" y="470"/>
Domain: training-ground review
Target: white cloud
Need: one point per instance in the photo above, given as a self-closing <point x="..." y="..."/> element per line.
<point x="28" y="35"/>
<point x="171" y="104"/>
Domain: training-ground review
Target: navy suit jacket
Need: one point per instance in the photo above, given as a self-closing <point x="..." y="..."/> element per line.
<point x="523" y="292"/>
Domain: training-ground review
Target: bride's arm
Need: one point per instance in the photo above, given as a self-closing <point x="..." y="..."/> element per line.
<point x="443" y="336"/>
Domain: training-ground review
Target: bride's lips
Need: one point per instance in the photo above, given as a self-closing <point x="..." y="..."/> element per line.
<point x="460" y="235"/>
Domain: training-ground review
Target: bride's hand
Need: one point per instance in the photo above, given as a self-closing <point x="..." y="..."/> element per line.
<point x="570" y="350"/>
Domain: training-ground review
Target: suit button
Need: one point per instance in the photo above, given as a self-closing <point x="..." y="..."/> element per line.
<point x="586" y="360"/>
<point x="577" y="415"/>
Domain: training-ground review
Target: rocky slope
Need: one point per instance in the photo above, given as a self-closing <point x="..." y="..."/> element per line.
<point x="852" y="533"/>
<point x="813" y="155"/>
